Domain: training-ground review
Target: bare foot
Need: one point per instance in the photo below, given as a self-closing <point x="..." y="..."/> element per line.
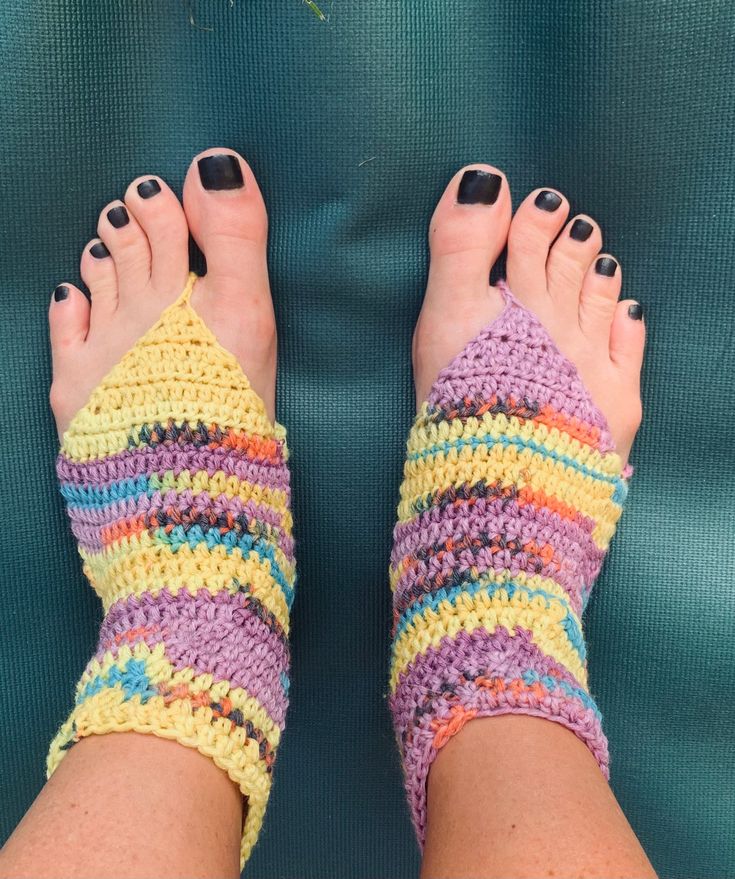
<point x="564" y="281"/>
<point x="139" y="265"/>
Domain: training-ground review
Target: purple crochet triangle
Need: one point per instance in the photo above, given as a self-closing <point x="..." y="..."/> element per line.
<point x="515" y="357"/>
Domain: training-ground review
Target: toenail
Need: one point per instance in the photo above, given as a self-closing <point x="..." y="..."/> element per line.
<point x="220" y="172"/>
<point x="635" y="311"/>
<point x="118" y="217"/>
<point x="547" y="201"/>
<point x="606" y="266"/>
<point x="149" y="188"/>
<point x="479" y="187"/>
<point x="99" y="251"/>
<point x="581" y="230"/>
<point x="61" y="293"/>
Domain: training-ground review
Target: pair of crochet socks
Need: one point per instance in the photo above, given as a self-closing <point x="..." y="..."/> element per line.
<point x="177" y="488"/>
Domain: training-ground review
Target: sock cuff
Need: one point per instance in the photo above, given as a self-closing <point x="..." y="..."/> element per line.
<point x="141" y="694"/>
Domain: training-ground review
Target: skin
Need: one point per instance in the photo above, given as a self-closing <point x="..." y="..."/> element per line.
<point x="550" y="814"/>
<point x="132" y="806"/>
<point x="545" y="811"/>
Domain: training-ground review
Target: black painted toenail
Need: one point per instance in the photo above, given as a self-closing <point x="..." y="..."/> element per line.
<point x="61" y="293"/>
<point x="581" y="230"/>
<point x="479" y="187"/>
<point x="99" y="251"/>
<point x="635" y="311"/>
<point x="220" y="172"/>
<point x="118" y="217"/>
<point x="547" y="201"/>
<point x="149" y="188"/>
<point x="606" y="266"/>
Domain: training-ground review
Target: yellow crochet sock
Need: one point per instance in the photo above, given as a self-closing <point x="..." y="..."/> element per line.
<point x="178" y="493"/>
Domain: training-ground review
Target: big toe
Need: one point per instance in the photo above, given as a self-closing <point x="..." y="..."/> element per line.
<point x="227" y="217"/>
<point x="467" y="234"/>
<point x="468" y="231"/>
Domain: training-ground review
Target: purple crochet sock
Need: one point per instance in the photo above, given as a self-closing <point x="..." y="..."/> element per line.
<point x="511" y="493"/>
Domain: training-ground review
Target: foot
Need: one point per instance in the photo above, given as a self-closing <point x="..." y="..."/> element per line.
<point x="139" y="265"/>
<point x="554" y="268"/>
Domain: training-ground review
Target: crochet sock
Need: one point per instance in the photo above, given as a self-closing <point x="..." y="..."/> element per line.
<point x="510" y="497"/>
<point x="178" y="493"/>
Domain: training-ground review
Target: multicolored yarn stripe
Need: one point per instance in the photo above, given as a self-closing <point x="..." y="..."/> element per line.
<point x="178" y="493"/>
<point x="510" y="497"/>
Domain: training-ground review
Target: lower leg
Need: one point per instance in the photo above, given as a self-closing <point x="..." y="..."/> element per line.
<point x="516" y="796"/>
<point x="109" y="811"/>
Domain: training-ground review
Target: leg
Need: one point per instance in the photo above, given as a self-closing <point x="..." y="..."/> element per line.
<point x="510" y="497"/>
<point x="130" y="806"/>
<point x="176" y="485"/>
<point x="550" y="813"/>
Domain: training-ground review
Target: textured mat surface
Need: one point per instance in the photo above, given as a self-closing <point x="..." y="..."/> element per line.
<point x="353" y="127"/>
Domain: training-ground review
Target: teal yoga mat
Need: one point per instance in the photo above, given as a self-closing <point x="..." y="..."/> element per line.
<point x="353" y="125"/>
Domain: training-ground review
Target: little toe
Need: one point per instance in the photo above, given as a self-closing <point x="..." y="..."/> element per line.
<point x="467" y="234"/>
<point x="569" y="258"/>
<point x="600" y="291"/>
<point x="97" y="269"/>
<point x="160" y="215"/>
<point x="128" y="245"/>
<point x="628" y="337"/>
<point x="68" y="317"/>
<point x="533" y="229"/>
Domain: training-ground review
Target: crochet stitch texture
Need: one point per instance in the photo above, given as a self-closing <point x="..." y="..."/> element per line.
<point x="177" y="489"/>
<point x="511" y="493"/>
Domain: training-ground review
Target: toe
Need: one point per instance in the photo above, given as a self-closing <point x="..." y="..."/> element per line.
<point x="600" y="291"/>
<point x="569" y="258"/>
<point x="160" y="215"/>
<point x="628" y="337"/>
<point x="468" y="232"/>
<point x="68" y="317"/>
<point x="228" y="219"/>
<point x="535" y="225"/>
<point x="128" y="244"/>
<point x="98" y="272"/>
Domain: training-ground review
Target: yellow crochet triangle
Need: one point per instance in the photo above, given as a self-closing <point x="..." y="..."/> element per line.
<point x="176" y="371"/>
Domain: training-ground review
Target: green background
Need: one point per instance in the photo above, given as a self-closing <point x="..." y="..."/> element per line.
<point x="625" y="106"/>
